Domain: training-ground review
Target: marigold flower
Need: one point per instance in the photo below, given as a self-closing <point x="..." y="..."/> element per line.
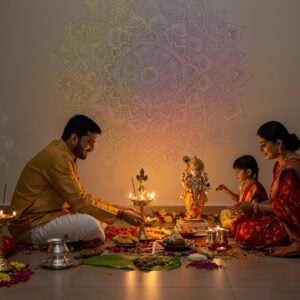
<point x="168" y="219"/>
<point x="17" y="265"/>
<point x="4" y="277"/>
<point x="163" y="212"/>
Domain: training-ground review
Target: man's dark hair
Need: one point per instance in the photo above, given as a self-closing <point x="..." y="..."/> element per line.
<point x="80" y="125"/>
<point x="247" y="162"/>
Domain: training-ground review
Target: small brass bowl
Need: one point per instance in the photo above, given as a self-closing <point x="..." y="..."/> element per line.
<point x="149" y="221"/>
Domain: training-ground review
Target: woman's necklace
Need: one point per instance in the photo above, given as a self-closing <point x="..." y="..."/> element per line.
<point x="282" y="162"/>
<point x="285" y="158"/>
<point x="196" y="185"/>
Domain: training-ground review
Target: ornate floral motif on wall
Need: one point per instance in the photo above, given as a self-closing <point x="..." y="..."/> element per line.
<point x="162" y="77"/>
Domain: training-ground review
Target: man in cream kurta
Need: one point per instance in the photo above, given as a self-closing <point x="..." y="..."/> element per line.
<point x="49" y="199"/>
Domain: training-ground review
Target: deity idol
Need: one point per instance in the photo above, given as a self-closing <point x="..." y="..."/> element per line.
<point x="195" y="185"/>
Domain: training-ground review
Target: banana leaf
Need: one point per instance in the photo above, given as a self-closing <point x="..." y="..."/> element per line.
<point x="128" y="262"/>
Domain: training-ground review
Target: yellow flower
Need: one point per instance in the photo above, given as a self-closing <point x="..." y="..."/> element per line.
<point x="163" y="212"/>
<point x="168" y="219"/>
<point x="17" y="264"/>
<point x="4" y="277"/>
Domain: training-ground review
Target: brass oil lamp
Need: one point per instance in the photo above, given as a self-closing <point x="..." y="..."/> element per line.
<point x="142" y="198"/>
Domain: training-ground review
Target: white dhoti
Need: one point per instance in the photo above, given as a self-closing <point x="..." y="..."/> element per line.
<point x="77" y="227"/>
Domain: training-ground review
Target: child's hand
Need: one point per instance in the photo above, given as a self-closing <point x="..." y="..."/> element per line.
<point x="221" y="187"/>
<point x="228" y="192"/>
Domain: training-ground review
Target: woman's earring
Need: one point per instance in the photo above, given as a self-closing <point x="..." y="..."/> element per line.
<point x="279" y="151"/>
<point x="279" y="147"/>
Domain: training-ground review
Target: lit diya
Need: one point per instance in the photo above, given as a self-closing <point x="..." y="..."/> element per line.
<point x="141" y="198"/>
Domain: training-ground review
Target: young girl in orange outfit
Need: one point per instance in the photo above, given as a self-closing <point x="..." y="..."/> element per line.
<point x="250" y="189"/>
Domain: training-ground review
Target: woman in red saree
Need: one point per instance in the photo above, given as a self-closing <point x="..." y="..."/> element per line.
<point x="274" y="224"/>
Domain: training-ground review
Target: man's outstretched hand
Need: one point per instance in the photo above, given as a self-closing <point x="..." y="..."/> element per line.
<point x="131" y="217"/>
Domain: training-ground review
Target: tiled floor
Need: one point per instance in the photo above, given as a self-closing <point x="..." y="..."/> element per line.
<point x="251" y="278"/>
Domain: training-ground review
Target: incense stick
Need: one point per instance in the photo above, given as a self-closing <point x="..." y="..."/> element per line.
<point x="4" y="192"/>
<point x="133" y="186"/>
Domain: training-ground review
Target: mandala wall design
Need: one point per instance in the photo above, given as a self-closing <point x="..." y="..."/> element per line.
<point x="7" y="150"/>
<point x="162" y="77"/>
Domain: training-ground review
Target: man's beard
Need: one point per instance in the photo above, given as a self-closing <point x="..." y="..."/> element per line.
<point x="79" y="152"/>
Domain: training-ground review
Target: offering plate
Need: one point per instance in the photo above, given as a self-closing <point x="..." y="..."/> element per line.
<point x="175" y="247"/>
<point x="200" y="226"/>
<point x="57" y="264"/>
<point x="187" y="234"/>
<point x="129" y="245"/>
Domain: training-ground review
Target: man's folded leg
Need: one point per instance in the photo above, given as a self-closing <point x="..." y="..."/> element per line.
<point x="80" y="228"/>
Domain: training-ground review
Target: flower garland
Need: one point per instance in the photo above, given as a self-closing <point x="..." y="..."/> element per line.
<point x="208" y="265"/>
<point x="111" y="231"/>
<point x="171" y="217"/>
<point x="21" y="273"/>
<point x="168" y="217"/>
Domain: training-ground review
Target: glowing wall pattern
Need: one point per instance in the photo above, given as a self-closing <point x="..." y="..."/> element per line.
<point x="8" y="148"/>
<point x="162" y="77"/>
